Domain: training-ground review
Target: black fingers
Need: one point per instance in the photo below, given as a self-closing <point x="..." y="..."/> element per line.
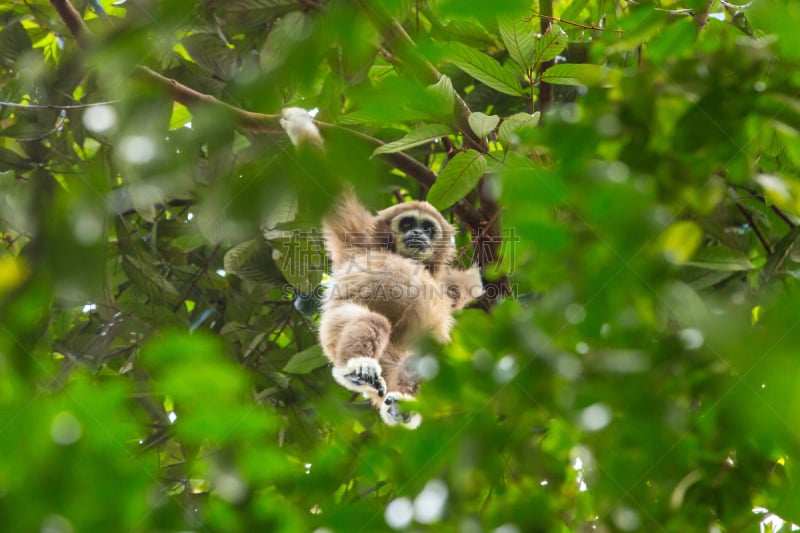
<point x="370" y="379"/>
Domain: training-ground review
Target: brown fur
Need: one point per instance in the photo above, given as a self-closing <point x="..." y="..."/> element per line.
<point x="380" y="303"/>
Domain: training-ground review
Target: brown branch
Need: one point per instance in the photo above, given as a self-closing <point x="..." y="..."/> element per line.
<point x="73" y="20"/>
<point x="248" y="120"/>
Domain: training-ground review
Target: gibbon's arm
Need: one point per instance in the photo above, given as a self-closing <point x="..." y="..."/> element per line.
<point x="349" y="225"/>
<point x="348" y="228"/>
<point x="462" y="286"/>
<point x="300" y="127"/>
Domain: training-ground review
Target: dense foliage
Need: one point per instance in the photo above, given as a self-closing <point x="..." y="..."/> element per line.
<point x="627" y="174"/>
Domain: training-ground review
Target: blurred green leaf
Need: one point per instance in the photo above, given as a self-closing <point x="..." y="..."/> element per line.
<point x="306" y="361"/>
<point x="720" y="258"/>
<point x="10" y="160"/>
<point x="680" y="240"/>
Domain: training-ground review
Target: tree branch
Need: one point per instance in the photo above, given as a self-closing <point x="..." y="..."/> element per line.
<point x="404" y="52"/>
<point x="752" y="222"/>
<point x="252" y="122"/>
<point x="248" y="120"/>
<point x="485" y="224"/>
<point x="73" y="20"/>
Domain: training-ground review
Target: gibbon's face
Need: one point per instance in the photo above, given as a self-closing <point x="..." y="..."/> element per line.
<point x="416" y="234"/>
<point x="418" y="231"/>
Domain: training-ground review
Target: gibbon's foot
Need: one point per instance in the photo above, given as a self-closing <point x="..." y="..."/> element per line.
<point x="361" y="374"/>
<point x="393" y="415"/>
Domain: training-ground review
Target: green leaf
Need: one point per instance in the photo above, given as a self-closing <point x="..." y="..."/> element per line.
<point x="458" y="178"/>
<point x="252" y="261"/>
<point x="482" y="124"/>
<point x="779" y="254"/>
<point x="720" y="258"/>
<point x="443" y="90"/>
<point x="467" y="32"/>
<point x="290" y="29"/>
<point x="517" y="35"/>
<point x="576" y="74"/>
<point x="180" y="116"/>
<point x="306" y="361"/>
<point x="299" y="258"/>
<point x="417" y="137"/>
<point x="485" y="69"/>
<point x="14" y="41"/>
<point x="550" y="45"/>
<point x="574" y="9"/>
<point x="13" y="161"/>
<point x="211" y="54"/>
<point x="515" y="124"/>
<point x="147" y="277"/>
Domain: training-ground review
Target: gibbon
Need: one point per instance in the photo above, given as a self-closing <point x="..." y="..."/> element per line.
<point x="391" y="284"/>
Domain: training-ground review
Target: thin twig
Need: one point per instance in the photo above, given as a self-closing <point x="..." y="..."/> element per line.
<point x="775" y="209"/>
<point x="59" y="107"/>
<point x="752" y="222"/>
<point x="783" y="216"/>
<point x="551" y="18"/>
<point x="736" y="6"/>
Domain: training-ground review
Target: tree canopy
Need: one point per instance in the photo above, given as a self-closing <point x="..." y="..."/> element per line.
<point x="626" y="173"/>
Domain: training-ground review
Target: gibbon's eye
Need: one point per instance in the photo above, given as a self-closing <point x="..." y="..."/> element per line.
<point x="407" y="224"/>
<point x="429" y="228"/>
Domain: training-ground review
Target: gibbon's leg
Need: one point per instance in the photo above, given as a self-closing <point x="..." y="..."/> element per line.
<point x="393" y="414"/>
<point x="402" y="383"/>
<point x="354" y="338"/>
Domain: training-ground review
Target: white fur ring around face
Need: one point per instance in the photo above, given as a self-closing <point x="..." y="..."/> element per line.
<point x="392" y="415"/>
<point x="361" y="374"/>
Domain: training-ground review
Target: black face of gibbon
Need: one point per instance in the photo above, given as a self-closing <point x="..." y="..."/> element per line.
<point x="414" y="235"/>
<point x="417" y="234"/>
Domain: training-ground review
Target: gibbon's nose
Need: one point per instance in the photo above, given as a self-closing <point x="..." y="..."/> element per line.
<point x="416" y="239"/>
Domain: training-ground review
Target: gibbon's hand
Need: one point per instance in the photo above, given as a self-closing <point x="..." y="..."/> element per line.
<point x="300" y="127"/>
<point x="361" y="374"/>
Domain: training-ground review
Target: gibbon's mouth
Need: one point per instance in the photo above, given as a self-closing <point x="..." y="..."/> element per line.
<point x="418" y="244"/>
<point x="415" y="248"/>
